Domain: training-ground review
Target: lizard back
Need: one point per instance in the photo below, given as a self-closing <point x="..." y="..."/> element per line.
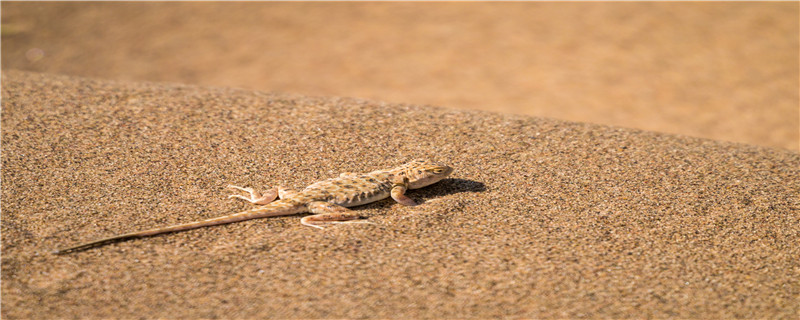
<point x="347" y="191"/>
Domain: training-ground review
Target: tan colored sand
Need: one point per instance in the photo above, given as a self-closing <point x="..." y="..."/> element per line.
<point x="723" y="70"/>
<point x="541" y="219"/>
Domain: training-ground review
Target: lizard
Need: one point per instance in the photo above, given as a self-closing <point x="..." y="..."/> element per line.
<point x="327" y="200"/>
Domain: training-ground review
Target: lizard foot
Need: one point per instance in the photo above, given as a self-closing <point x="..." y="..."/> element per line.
<point x="255" y="196"/>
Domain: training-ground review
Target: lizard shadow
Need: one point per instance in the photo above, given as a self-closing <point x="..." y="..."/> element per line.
<point x="443" y="188"/>
<point x="452" y="186"/>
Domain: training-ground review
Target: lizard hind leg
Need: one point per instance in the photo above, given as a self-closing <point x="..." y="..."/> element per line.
<point x="329" y="213"/>
<point x="285" y="193"/>
<point x="348" y="175"/>
<point x="255" y="196"/>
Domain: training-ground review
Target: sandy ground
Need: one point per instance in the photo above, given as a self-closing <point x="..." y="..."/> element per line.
<point x="541" y="219"/>
<point x="725" y="71"/>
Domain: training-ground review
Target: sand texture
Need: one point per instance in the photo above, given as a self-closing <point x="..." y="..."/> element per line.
<point x="541" y="218"/>
<point x="720" y="70"/>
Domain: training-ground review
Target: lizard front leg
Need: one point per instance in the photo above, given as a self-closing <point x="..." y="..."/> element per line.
<point x="329" y="213"/>
<point x="399" y="193"/>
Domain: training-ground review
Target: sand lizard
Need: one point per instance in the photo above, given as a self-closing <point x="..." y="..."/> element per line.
<point x="327" y="200"/>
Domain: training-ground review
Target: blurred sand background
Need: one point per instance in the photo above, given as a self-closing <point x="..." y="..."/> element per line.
<point x="725" y="71"/>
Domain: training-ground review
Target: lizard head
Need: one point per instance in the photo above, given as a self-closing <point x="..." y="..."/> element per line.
<point x="421" y="173"/>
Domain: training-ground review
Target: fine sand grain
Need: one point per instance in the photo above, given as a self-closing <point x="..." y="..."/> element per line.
<point x="541" y="218"/>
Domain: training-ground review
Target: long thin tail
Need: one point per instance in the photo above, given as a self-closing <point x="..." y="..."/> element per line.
<point x="274" y="209"/>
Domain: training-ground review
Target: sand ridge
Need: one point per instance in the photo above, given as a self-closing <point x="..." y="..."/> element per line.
<point x="720" y="70"/>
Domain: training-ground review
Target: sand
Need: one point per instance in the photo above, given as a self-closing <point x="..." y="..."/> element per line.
<point x="721" y="70"/>
<point x="541" y="219"/>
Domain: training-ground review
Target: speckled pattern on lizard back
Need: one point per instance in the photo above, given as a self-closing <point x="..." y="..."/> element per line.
<point x="327" y="200"/>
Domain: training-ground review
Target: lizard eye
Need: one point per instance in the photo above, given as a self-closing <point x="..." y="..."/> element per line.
<point x="437" y="171"/>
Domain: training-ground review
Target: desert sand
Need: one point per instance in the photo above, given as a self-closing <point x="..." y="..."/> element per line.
<point x="612" y="160"/>
<point x="541" y="219"/>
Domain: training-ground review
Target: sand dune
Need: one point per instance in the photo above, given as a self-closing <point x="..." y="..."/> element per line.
<point x="541" y="218"/>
